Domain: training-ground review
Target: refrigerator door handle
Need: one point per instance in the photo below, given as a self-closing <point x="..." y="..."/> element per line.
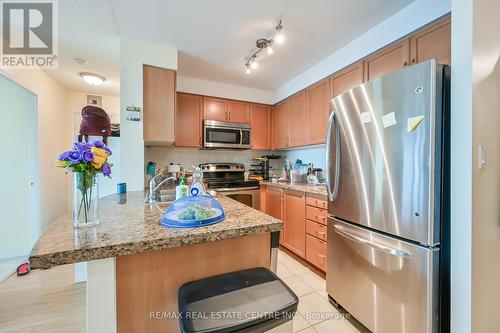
<point x="332" y="120"/>
<point x="387" y="249"/>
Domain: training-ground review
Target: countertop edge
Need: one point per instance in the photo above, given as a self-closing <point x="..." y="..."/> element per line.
<point x="46" y="261"/>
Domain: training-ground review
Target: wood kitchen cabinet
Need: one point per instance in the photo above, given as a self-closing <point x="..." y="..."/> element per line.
<point x="433" y="42"/>
<point x="188" y="127"/>
<point x="214" y="108"/>
<point x="294" y="219"/>
<point x="260" y="120"/>
<point x="274" y="205"/>
<point x="159" y="94"/>
<point x="318" y="109"/>
<point x="387" y="60"/>
<point x="346" y="79"/>
<point x="297" y="120"/>
<point x="281" y="125"/>
<point x="238" y="112"/>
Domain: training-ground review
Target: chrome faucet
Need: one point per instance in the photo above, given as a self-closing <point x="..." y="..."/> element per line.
<point x="151" y="197"/>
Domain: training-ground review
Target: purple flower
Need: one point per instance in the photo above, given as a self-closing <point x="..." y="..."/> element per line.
<point x="106" y="170"/>
<point x="75" y="156"/>
<point x="64" y="156"/>
<point x="81" y="146"/>
<point x="87" y="156"/>
<point x="98" y="144"/>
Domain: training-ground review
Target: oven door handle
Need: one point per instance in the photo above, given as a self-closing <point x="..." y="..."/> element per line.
<point x="233" y="189"/>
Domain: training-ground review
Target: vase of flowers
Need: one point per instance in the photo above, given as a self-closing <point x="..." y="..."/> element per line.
<point x="86" y="161"/>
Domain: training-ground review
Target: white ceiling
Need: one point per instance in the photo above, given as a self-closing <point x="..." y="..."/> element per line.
<point x="87" y="29"/>
<point x="214" y="37"/>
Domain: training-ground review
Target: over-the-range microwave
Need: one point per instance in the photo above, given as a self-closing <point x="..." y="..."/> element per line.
<point x="220" y="134"/>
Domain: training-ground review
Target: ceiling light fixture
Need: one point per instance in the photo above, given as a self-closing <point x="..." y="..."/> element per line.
<point x="264" y="44"/>
<point x="93" y="79"/>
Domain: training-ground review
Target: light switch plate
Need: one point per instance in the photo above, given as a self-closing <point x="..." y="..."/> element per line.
<point x="481" y="156"/>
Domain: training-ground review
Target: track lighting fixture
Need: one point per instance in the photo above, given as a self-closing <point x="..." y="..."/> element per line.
<point x="264" y="44"/>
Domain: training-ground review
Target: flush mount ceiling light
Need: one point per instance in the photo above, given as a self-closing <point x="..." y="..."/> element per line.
<point x="264" y="44"/>
<point x="92" y="78"/>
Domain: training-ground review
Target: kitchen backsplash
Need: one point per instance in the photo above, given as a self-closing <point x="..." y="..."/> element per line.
<point x="187" y="157"/>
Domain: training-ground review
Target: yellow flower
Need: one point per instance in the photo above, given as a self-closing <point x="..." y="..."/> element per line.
<point x="100" y="157"/>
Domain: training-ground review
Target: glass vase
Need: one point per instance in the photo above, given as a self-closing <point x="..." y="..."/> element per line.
<point x="85" y="200"/>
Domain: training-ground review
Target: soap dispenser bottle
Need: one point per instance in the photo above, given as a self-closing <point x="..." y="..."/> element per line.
<point x="181" y="190"/>
<point x="198" y="181"/>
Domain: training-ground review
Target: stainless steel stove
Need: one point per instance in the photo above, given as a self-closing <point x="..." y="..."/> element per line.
<point x="229" y="179"/>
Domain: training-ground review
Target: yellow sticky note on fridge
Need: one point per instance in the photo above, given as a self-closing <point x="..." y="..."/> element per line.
<point x="413" y="123"/>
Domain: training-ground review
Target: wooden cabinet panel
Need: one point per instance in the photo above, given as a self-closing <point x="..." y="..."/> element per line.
<point x="159" y="104"/>
<point x="238" y="112"/>
<point x="281" y="125"/>
<point x="346" y="79"/>
<point x="260" y="120"/>
<point x="318" y="201"/>
<point x="188" y="120"/>
<point x="388" y="60"/>
<point x="432" y="43"/>
<point x="298" y="120"/>
<point x="315" y="229"/>
<point x="214" y="108"/>
<point x="274" y="205"/>
<point x="316" y="252"/>
<point x="318" y="109"/>
<point x="263" y="199"/>
<point x="316" y="214"/>
<point x="295" y="222"/>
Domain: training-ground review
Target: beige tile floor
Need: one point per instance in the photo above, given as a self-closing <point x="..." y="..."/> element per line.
<point x="315" y="313"/>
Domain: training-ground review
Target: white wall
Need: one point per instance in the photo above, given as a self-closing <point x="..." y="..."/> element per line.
<point x="217" y="89"/>
<point x="110" y="104"/>
<point x="485" y="182"/>
<point x="133" y="55"/>
<point x="409" y="19"/>
<point x="53" y="137"/>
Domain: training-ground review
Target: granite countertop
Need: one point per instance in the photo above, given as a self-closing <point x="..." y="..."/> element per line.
<point x="315" y="189"/>
<point x="134" y="228"/>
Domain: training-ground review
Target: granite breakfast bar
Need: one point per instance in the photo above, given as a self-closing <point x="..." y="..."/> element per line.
<point x="136" y="266"/>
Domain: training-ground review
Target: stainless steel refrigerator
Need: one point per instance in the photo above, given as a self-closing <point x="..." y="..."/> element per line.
<point x="387" y="180"/>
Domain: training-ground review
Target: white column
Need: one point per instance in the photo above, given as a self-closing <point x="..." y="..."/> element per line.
<point x="101" y="296"/>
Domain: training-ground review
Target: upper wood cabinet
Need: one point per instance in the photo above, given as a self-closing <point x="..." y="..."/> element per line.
<point x="294" y="218"/>
<point x="238" y="112"/>
<point x="388" y="60"/>
<point x="318" y="97"/>
<point x="159" y="105"/>
<point x="346" y="79"/>
<point x="281" y="125"/>
<point x="260" y="120"/>
<point x="188" y="119"/>
<point x="298" y="120"/>
<point x="433" y="42"/>
<point x="214" y="108"/>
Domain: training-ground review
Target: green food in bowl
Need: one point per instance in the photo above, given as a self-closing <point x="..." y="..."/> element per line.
<point x="196" y="213"/>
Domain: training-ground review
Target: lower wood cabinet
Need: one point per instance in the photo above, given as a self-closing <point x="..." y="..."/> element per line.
<point x="316" y="252"/>
<point x="295" y="222"/>
<point x="274" y="205"/>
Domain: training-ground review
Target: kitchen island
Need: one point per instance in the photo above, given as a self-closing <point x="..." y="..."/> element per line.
<point x="136" y="266"/>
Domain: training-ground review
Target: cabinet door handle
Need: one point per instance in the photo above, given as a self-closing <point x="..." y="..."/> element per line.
<point x="322" y="256"/>
<point x="413" y="60"/>
<point x="405" y="64"/>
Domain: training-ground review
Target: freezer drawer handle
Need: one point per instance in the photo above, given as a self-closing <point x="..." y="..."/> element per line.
<point x="387" y="249"/>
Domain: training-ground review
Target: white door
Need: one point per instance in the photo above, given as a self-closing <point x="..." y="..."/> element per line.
<point x="17" y="168"/>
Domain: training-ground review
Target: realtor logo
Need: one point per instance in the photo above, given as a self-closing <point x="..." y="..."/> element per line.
<point x="29" y="34"/>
